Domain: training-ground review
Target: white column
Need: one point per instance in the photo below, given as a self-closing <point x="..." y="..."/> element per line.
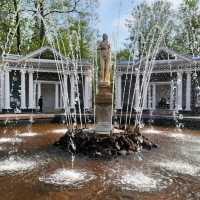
<point x="7" y="89"/>
<point x="34" y="95"/>
<point x="72" y="100"/>
<point x="179" y="90"/>
<point x="56" y="96"/>
<point x="38" y="86"/>
<point x="88" y="92"/>
<point x="145" y="96"/>
<point x="65" y="93"/>
<point x="31" y="96"/>
<point x="149" y="97"/>
<point x="172" y="95"/>
<point x="118" y="92"/>
<point x="23" y="90"/>
<point x="154" y="97"/>
<point x="60" y="96"/>
<point x="188" y="91"/>
<point x="2" y="89"/>
<point x="137" y="92"/>
<point x="39" y="90"/>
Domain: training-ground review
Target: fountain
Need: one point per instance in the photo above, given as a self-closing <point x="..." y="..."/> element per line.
<point x="104" y="141"/>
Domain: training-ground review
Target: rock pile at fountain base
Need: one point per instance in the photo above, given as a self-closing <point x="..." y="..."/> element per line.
<point x="85" y="142"/>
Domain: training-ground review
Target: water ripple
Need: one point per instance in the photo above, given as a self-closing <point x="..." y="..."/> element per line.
<point x="15" y="164"/>
<point x="180" y="167"/>
<point x="68" y="177"/>
<point x="139" y="181"/>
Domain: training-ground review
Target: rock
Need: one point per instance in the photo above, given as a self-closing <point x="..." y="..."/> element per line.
<point x="98" y="153"/>
<point x="84" y="141"/>
<point x="155" y="146"/>
<point x="123" y="152"/>
<point x="130" y="152"/>
<point x="117" y="146"/>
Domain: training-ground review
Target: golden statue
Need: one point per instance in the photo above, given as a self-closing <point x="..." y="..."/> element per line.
<point x="105" y="56"/>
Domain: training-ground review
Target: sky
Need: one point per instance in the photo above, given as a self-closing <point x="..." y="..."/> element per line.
<point x="113" y="15"/>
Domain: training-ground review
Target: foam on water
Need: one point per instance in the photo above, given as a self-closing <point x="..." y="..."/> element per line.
<point x="68" y="177"/>
<point x="138" y="181"/>
<point x="10" y="140"/>
<point x="180" y="167"/>
<point x="15" y="164"/>
<point x="27" y="134"/>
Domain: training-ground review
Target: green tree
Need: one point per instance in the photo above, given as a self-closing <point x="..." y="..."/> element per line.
<point x="149" y="24"/>
<point x="124" y="54"/>
<point x="187" y="39"/>
<point x="29" y="24"/>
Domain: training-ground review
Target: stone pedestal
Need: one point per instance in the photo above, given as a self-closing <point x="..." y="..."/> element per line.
<point x="104" y="109"/>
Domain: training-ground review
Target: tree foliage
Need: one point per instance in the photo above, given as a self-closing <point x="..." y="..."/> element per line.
<point x="158" y="24"/>
<point x="150" y="22"/>
<point x="124" y="54"/>
<point x="29" y="24"/>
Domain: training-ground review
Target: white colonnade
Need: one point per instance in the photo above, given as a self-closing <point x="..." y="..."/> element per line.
<point x="2" y="95"/>
<point x="7" y="89"/>
<point x="34" y="91"/>
<point x="188" y="91"/>
<point x="118" y="92"/>
<point x="179" y="98"/>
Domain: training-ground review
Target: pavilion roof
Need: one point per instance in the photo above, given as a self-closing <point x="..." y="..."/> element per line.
<point x="184" y="62"/>
<point x="33" y="60"/>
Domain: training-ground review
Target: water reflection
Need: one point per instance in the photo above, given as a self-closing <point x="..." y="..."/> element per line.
<point x="152" y="131"/>
<point x="27" y="134"/>
<point x="10" y="140"/>
<point x="59" y="130"/>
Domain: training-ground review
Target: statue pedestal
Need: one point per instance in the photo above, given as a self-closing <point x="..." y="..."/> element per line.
<point x="104" y="109"/>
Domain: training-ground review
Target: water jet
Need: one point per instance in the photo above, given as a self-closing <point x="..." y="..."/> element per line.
<point x="104" y="141"/>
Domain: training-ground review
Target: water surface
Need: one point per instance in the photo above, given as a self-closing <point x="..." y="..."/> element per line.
<point x="31" y="168"/>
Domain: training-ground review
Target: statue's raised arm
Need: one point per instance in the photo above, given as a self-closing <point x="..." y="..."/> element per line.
<point x="105" y="57"/>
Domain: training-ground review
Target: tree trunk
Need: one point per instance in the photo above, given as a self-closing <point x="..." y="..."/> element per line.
<point x="17" y="23"/>
<point x="42" y="26"/>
